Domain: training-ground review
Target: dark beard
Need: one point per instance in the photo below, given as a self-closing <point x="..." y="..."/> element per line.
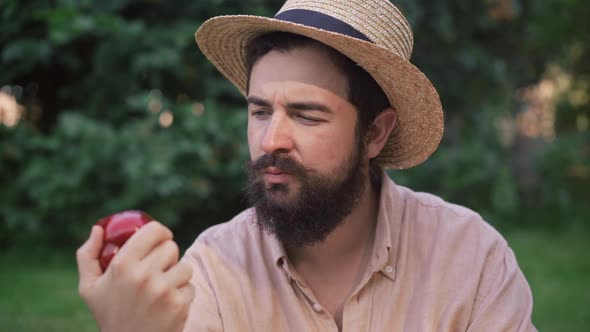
<point x="320" y="206"/>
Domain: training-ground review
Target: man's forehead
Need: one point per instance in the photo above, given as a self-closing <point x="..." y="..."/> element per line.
<point x="300" y="70"/>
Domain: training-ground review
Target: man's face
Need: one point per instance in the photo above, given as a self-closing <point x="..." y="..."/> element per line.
<point x="305" y="174"/>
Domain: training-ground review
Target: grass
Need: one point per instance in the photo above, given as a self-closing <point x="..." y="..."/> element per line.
<point x="38" y="291"/>
<point x="558" y="270"/>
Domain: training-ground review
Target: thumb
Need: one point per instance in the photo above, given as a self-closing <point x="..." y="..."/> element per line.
<point x="87" y="257"/>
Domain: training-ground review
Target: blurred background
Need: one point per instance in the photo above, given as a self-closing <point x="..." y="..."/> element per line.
<point x="109" y="105"/>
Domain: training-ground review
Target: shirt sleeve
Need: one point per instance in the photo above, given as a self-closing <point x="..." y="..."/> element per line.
<point x="504" y="301"/>
<point x="204" y="311"/>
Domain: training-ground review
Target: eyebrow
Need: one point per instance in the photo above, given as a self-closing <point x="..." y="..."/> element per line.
<point x="302" y="106"/>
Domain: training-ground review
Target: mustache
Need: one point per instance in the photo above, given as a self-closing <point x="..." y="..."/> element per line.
<point x="284" y="162"/>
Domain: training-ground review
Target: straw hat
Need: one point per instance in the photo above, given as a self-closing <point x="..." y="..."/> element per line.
<point x="372" y="33"/>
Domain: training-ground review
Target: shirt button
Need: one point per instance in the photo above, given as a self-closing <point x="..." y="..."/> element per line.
<point x="388" y="269"/>
<point x="302" y="285"/>
<point x="317" y="307"/>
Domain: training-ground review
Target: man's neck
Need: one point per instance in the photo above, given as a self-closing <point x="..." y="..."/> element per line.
<point x="334" y="267"/>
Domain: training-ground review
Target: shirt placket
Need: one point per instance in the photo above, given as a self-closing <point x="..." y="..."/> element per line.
<point x="322" y="315"/>
<point x="316" y="310"/>
<point x="357" y="312"/>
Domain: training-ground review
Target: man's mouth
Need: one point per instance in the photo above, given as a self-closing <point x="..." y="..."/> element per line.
<point x="274" y="170"/>
<point x="274" y="174"/>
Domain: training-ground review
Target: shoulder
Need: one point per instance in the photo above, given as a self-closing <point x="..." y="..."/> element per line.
<point x="235" y="242"/>
<point x="425" y="211"/>
<point x="434" y="205"/>
<point x="239" y="226"/>
<point x="449" y="240"/>
<point x="436" y="231"/>
<point x="229" y="235"/>
<point x="460" y="261"/>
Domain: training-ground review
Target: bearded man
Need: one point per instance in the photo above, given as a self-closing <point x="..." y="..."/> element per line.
<point x="331" y="243"/>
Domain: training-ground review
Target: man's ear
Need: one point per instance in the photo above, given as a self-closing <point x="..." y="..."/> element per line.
<point x="379" y="131"/>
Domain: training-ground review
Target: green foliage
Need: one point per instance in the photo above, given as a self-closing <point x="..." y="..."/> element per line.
<point x="56" y="186"/>
<point x="97" y="77"/>
<point x="565" y="169"/>
<point x="479" y="54"/>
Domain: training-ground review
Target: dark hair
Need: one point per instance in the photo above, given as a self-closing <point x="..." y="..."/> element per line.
<point x="363" y="92"/>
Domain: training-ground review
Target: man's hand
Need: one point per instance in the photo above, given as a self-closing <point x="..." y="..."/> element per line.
<point x="144" y="289"/>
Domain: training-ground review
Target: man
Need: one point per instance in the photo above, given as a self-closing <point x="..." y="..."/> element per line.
<point x="331" y="243"/>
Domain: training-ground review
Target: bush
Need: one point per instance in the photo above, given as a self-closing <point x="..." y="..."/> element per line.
<point x="188" y="176"/>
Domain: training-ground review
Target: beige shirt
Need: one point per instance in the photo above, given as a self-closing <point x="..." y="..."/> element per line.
<point x="435" y="266"/>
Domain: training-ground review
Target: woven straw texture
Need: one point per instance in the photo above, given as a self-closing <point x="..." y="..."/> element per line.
<point x="223" y="40"/>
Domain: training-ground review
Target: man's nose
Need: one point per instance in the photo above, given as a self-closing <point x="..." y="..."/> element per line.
<point x="278" y="136"/>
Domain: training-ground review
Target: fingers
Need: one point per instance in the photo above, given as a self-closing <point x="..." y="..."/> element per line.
<point x="163" y="256"/>
<point x="146" y="239"/>
<point x="183" y="298"/>
<point x="179" y="275"/>
<point x="87" y="257"/>
<point x="187" y="293"/>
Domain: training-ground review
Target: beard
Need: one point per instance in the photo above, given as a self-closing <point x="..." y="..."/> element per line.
<point x="308" y="216"/>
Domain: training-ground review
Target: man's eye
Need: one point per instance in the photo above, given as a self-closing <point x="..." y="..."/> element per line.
<point x="260" y="114"/>
<point x="308" y="120"/>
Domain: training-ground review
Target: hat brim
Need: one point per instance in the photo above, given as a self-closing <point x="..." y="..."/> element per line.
<point x="223" y="40"/>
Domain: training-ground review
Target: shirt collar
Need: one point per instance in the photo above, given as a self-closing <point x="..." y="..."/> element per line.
<point x="279" y="257"/>
<point x="383" y="257"/>
<point x="385" y="248"/>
